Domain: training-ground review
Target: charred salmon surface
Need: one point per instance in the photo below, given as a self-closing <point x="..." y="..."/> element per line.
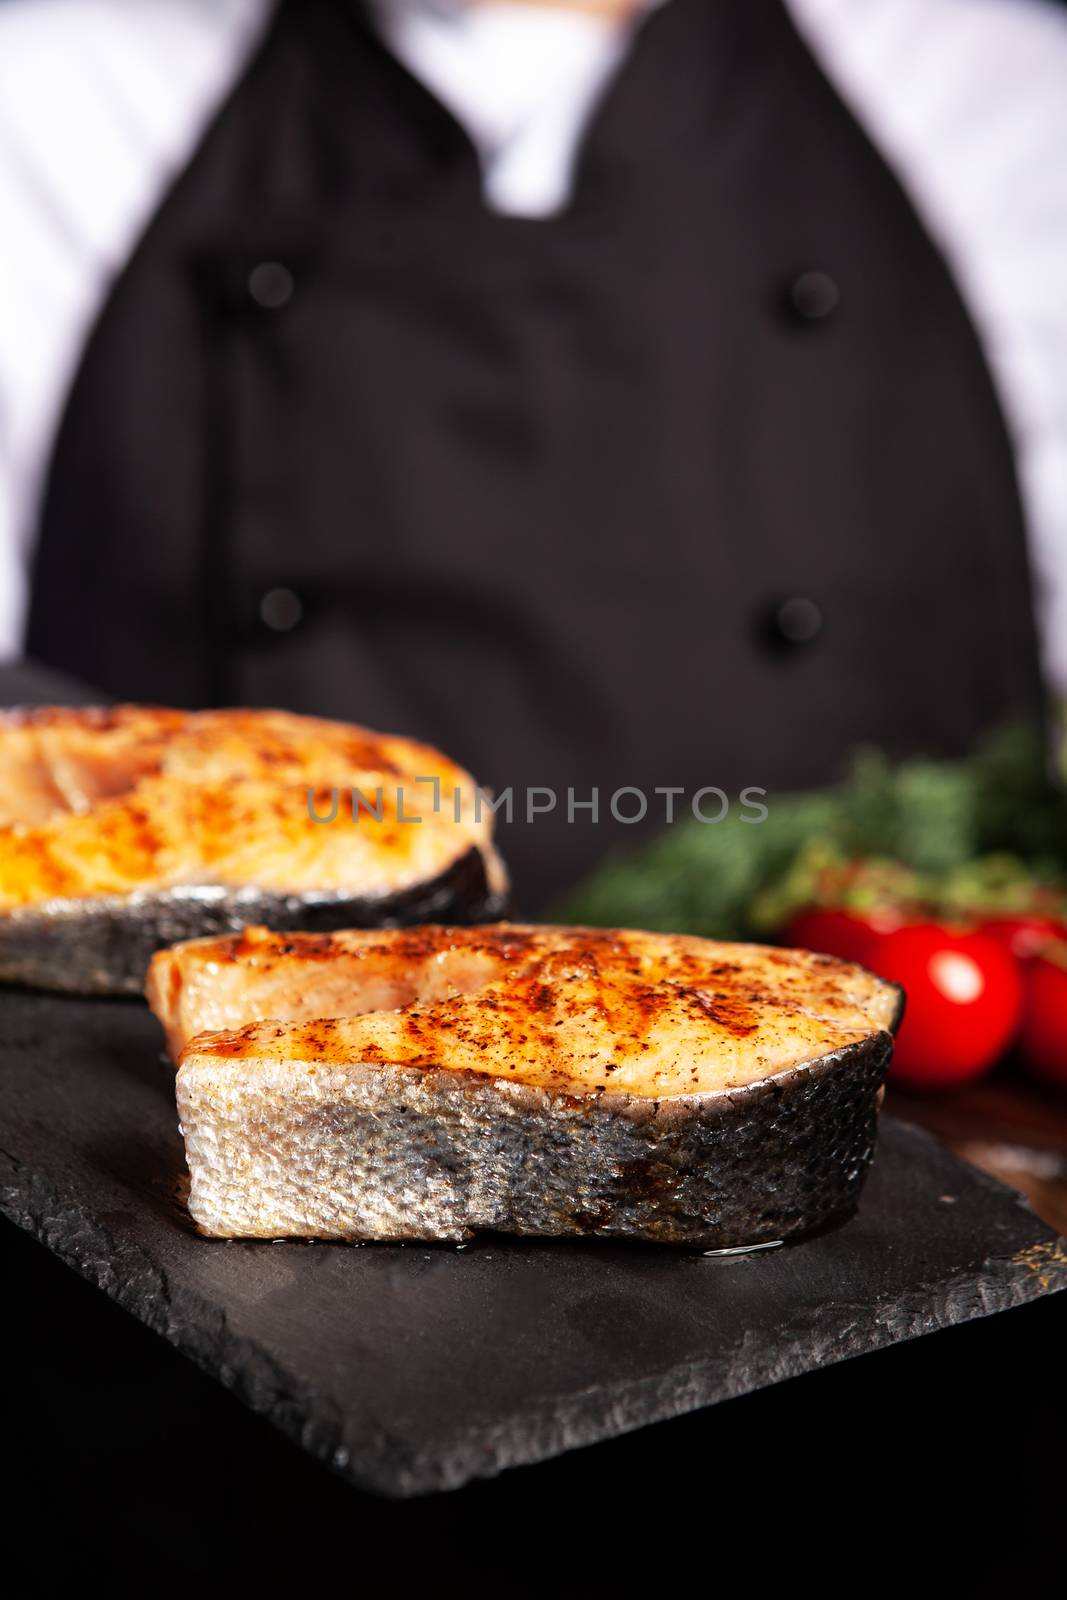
<point x="431" y="1082"/>
<point x="125" y="829"/>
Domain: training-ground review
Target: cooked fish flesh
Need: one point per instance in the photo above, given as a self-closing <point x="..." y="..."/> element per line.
<point x="123" y="830"/>
<point x="427" y="1083"/>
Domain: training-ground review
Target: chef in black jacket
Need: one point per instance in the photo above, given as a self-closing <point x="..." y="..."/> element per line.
<point x="700" y="479"/>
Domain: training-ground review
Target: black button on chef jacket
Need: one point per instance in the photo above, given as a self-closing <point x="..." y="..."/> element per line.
<point x="701" y="482"/>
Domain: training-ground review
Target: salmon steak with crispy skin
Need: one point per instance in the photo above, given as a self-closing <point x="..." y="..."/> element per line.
<point x="124" y="829"/>
<point x="427" y="1083"/>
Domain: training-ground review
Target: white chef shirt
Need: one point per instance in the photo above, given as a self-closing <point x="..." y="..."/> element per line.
<point x="103" y="101"/>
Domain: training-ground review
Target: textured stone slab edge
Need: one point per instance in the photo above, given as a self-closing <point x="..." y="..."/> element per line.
<point x="387" y="1466"/>
<point x="605" y="1411"/>
<point x="195" y="1325"/>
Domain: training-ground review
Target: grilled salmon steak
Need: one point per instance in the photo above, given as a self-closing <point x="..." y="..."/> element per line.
<point x="122" y="830"/>
<point x="429" y="1082"/>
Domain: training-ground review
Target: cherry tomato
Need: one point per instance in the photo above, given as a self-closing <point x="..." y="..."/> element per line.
<point x="1023" y="935"/>
<point x="1043" y="1039"/>
<point x="964" y="1001"/>
<point x="833" y="933"/>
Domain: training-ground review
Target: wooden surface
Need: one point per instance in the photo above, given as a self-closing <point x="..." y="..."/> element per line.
<point x="1010" y="1127"/>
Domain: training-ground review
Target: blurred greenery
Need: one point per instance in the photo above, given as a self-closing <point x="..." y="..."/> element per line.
<point x="981" y="827"/>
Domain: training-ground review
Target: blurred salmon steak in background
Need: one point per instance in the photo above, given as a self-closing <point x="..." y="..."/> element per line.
<point x="122" y="830"/>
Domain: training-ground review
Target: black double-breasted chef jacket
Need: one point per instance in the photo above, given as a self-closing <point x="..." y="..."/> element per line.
<point x="541" y="491"/>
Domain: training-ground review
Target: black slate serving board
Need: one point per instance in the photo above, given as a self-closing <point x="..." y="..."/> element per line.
<point x="417" y="1368"/>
